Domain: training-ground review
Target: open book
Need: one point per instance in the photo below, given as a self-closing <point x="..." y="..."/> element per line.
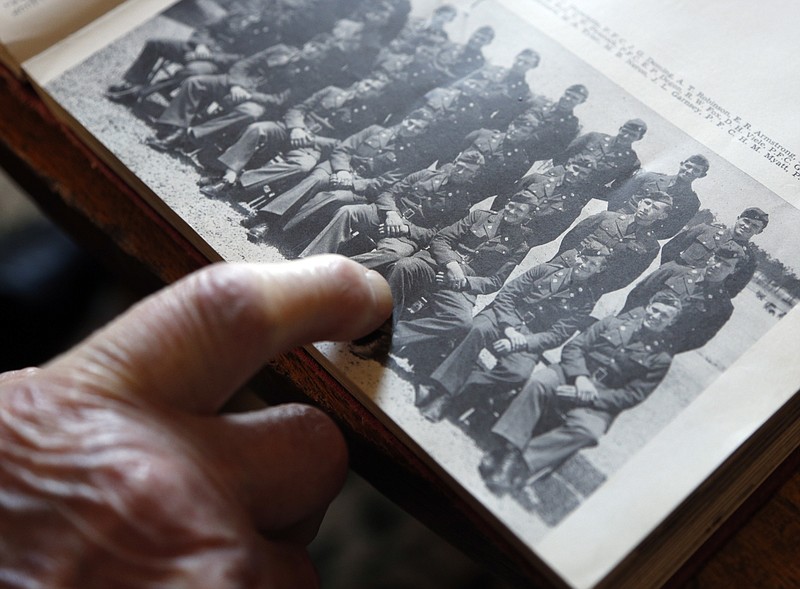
<point x="585" y="210"/>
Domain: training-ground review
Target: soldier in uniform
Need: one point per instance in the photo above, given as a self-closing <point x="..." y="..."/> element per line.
<point x="490" y="98"/>
<point x="422" y="31"/>
<point x="626" y="240"/>
<point x="240" y="33"/>
<point x="538" y="311"/>
<point x="404" y="218"/>
<point x="501" y="158"/>
<point x="320" y="121"/>
<point x="505" y="155"/>
<point x="363" y="165"/>
<point x="615" y="159"/>
<point x="694" y="246"/>
<point x="706" y="302"/>
<point x="257" y="86"/>
<point x="470" y="257"/>
<point x="612" y="366"/>
<point x="685" y="203"/>
<point x="558" y="197"/>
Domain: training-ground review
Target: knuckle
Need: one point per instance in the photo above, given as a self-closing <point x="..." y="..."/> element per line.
<point x="229" y="295"/>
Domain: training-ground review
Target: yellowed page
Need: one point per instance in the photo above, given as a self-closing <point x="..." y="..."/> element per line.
<point x="28" y="27"/>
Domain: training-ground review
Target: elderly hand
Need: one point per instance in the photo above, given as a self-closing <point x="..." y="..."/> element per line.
<point x="116" y="469"/>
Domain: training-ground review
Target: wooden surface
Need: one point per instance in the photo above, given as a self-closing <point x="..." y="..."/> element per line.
<point x="760" y="547"/>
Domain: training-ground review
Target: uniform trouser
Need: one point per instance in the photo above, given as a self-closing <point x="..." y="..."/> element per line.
<point x="426" y="339"/>
<point x="268" y="135"/>
<point x="409" y="279"/>
<point x="293" y="198"/>
<point x="460" y="370"/>
<point x="311" y="218"/>
<point x="233" y="120"/>
<point x="284" y="168"/>
<point x="195" y="93"/>
<point x="578" y="427"/>
<point x="153" y="50"/>
<point x="387" y="252"/>
<point x="363" y="218"/>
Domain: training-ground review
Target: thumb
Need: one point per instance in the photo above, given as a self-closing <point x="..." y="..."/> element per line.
<point x="195" y="343"/>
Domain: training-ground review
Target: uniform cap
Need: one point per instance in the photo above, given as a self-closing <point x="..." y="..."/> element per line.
<point x="528" y="52"/>
<point x="524" y="197"/>
<point x="637" y="125"/>
<point x="578" y="89"/>
<point x="658" y="196"/>
<point x="485" y="30"/>
<point x="699" y="160"/>
<point x="756" y="214"/>
<point x="666" y="297"/>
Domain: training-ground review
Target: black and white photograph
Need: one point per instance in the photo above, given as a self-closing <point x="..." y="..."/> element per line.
<point x="570" y="269"/>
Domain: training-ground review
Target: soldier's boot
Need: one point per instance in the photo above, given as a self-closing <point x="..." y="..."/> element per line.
<point x="510" y="473"/>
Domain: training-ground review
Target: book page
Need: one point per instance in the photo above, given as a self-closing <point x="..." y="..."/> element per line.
<point x="586" y="211"/>
<point x="28" y="27"/>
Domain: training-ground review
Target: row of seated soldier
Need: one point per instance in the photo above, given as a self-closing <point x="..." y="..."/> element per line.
<point x="355" y="129"/>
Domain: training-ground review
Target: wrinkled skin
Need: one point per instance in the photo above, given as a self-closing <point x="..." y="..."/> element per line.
<point x="116" y="469"/>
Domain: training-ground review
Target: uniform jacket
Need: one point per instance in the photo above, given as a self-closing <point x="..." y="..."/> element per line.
<point x="706" y="305"/>
<point x="500" y="94"/>
<point x="487" y="249"/>
<point x="547" y="301"/>
<point x="695" y="246"/>
<point x="685" y="203"/>
<point x="624" y="360"/>
<point x="630" y="249"/>
<point x="554" y="133"/>
<point x="334" y="112"/>
<point x="613" y="164"/>
<point x="503" y="166"/>
<point x="428" y="200"/>
<point x="556" y="204"/>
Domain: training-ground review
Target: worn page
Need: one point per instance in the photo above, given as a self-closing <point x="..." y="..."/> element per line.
<point x="28" y="27"/>
<point x="586" y="211"/>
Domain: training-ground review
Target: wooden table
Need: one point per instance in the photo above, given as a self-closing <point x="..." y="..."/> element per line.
<point x="759" y="547"/>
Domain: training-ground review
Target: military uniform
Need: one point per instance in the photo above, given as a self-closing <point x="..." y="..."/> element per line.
<point x="504" y="162"/>
<point x="228" y="39"/>
<point x="487" y="250"/>
<point x="376" y="156"/>
<point x="502" y="94"/>
<point x="685" y="202"/>
<point x="416" y="32"/>
<point x="628" y="247"/>
<point x="625" y="362"/>
<point x="557" y="203"/>
<point x="331" y="113"/>
<point x="545" y="304"/>
<point x="427" y="200"/>
<point x="694" y="247"/>
<point x="706" y="306"/>
<point x="556" y="129"/>
<point x="613" y="163"/>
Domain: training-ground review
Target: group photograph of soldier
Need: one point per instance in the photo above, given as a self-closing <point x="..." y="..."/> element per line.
<point x="569" y="269"/>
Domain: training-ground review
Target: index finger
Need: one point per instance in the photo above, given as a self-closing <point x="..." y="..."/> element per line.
<point x="195" y="343"/>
